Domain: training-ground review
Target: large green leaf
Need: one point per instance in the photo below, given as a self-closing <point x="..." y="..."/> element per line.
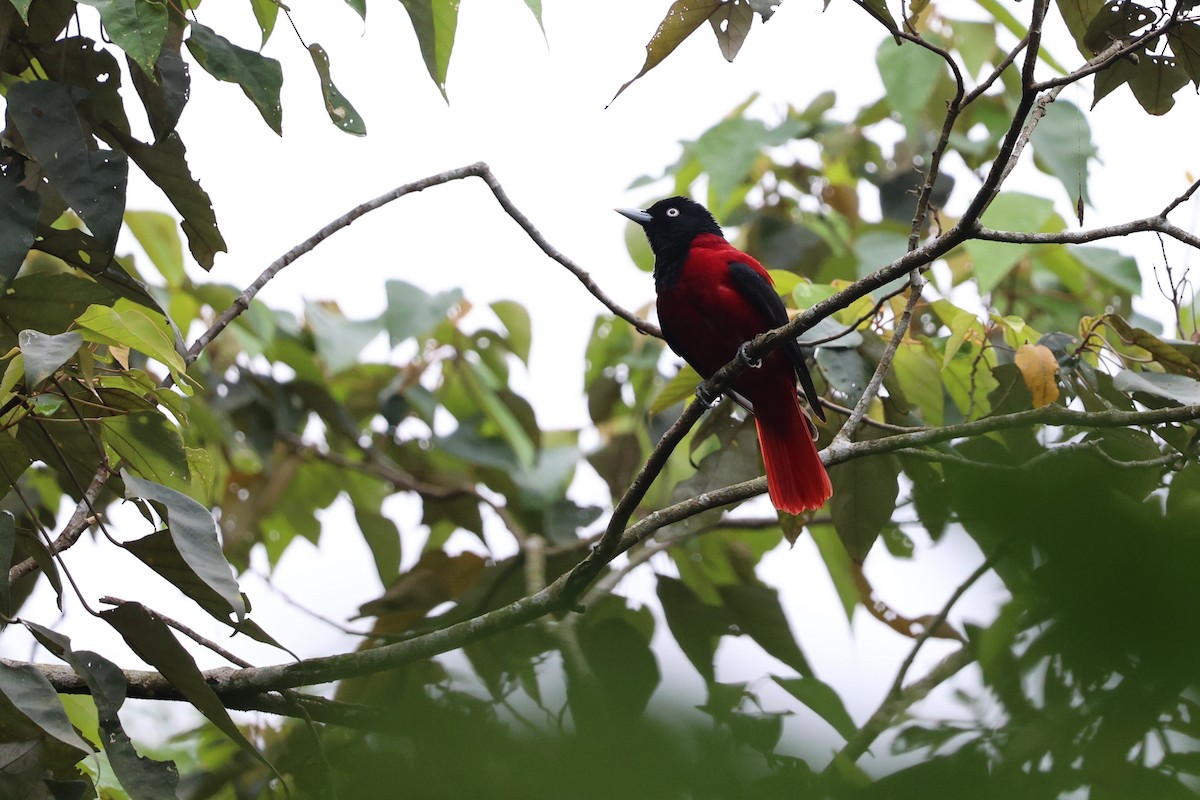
<point x="165" y="163"/>
<point x="821" y="698"/>
<point x="1062" y="146"/>
<point x="339" y="340"/>
<point x="164" y="91"/>
<point x="48" y="302"/>
<point x="142" y="778"/>
<point x="910" y="76"/>
<point x="757" y="612"/>
<point x="194" y="533"/>
<point x="864" y="497"/>
<point x="149" y="637"/>
<point x="45" y="353"/>
<point x="90" y="180"/>
<point x="1178" y="388"/>
<point x="260" y="77"/>
<point x="158" y="235"/>
<point x="1010" y="211"/>
<point x="435" y="22"/>
<point x="31" y="694"/>
<point x="340" y="111"/>
<point x="696" y="626"/>
<point x="149" y="444"/>
<point x="18" y="221"/>
<point x="136" y="26"/>
<point x="681" y="21"/>
<point x="411" y="311"/>
<point x="126" y="324"/>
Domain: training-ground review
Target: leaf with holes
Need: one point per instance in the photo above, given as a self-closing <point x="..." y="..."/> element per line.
<point x="260" y="77"/>
<point x="340" y="111"/>
<point x="136" y="26"/>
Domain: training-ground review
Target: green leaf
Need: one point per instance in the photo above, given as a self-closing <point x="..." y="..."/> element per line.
<point x="1177" y="388"/>
<point x="266" y="12"/>
<point x="130" y="325"/>
<point x="821" y="698"/>
<point x="1010" y="211"/>
<point x="864" y="497"/>
<point x="18" y="222"/>
<point x="518" y="326"/>
<point x="910" y="76"/>
<point x="44" y="354"/>
<point x="31" y="694"/>
<point x="1155" y="81"/>
<point x="920" y="378"/>
<point x="536" y="7"/>
<point x="1005" y="17"/>
<point x="1106" y="80"/>
<point x="142" y="778"/>
<point x="1079" y="16"/>
<point x="22" y="7"/>
<point x="158" y="235"/>
<point x="165" y="163"/>
<point x="1115" y="21"/>
<point x="340" y="111"/>
<point x="157" y="551"/>
<point x="411" y="311"/>
<point x="680" y="388"/>
<point x="194" y="533"/>
<point x="8" y="541"/>
<point x="434" y="22"/>
<point x="1111" y="266"/>
<point x="164" y="91"/>
<point x="260" y="77"/>
<point x="136" y="26"/>
<point x="149" y="444"/>
<point x="731" y="24"/>
<point x="681" y="21"/>
<point x="756" y="611"/>
<point x="1185" y="44"/>
<point x="90" y="180"/>
<point x="150" y="638"/>
<point x="1062" y="147"/>
<point x="339" y="340"/>
<point x="696" y="626"/>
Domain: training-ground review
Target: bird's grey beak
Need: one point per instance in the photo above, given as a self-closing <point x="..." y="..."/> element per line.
<point x="635" y="214"/>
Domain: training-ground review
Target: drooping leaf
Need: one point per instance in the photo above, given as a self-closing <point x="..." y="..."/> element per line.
<point x="45" y="353"/>
<point x="1177" y="388"/>
<point x="149" y="637"/>
<point x="1080" y="15"/>
<point x="1185" y="44"/>
<point x="696" y="626"/>
<point x="757" y="612"/>
<point x="142" y="778"/>
<point x="821" y="698"/>
<point x="31" y="694"/>
<point x="1115" y="21"/>
<point x="731" y="24"/>
<point x="165" y="163"/>
<point x="157" y="551"/>
<point x="194" y="533"/>
<point x="1062" y="146"/>
<point x="435" y="22"/>
<point x="518" y="326"/>
<point x="136" y="26"/>
<point x="681" y="21"/>
<point x="1154" y="82"/>
<point x="1040" y="369"/>
<point x="260" y="77"/>
<point x="864" y="497"/>
<point x="18" y="221"/>
<point x="340" y="111"/>
<point x="8" y="540"/>
<point x="164" y="91"/>
<point x="1167" y="355"/>
<point x="92" y="181"/>
<point x="267" y="11"/>
<point x="158" y="235"/>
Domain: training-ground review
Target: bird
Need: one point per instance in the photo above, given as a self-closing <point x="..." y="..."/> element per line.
<point x="713" y="299"/>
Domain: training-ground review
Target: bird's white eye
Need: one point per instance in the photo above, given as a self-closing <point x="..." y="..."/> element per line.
<point x="672" y="212"/>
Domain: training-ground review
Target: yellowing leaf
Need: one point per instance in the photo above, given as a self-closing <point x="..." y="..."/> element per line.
<point x="1040" y="369"/>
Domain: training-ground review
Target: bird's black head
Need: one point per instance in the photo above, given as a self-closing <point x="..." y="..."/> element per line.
<point x="670" y="227"/>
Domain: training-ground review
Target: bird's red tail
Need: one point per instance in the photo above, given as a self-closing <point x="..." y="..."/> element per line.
<point x="796" y="478"/>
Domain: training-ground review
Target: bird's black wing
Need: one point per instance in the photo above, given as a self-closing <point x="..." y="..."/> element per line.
<point x="762" y="296"/>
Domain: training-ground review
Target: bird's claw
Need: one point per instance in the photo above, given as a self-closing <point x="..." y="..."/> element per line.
<point x="744" y="357"/>
<point x="708" y="398"/>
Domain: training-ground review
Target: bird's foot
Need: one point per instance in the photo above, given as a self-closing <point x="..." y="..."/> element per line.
<point x="707" y="396"/>
<point x="744" y="357"/>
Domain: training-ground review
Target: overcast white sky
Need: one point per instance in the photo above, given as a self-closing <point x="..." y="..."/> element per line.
<point x="535" y="111"/>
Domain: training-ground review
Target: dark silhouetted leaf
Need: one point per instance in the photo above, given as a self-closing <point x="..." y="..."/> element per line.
<point x="864" y="497"/>
<point x="33" y="696"/>
<point x="821" y="698"/>
<point x="260" y="77"/>
<point x="756" y="610"/>
<point x="18" y="220"/>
